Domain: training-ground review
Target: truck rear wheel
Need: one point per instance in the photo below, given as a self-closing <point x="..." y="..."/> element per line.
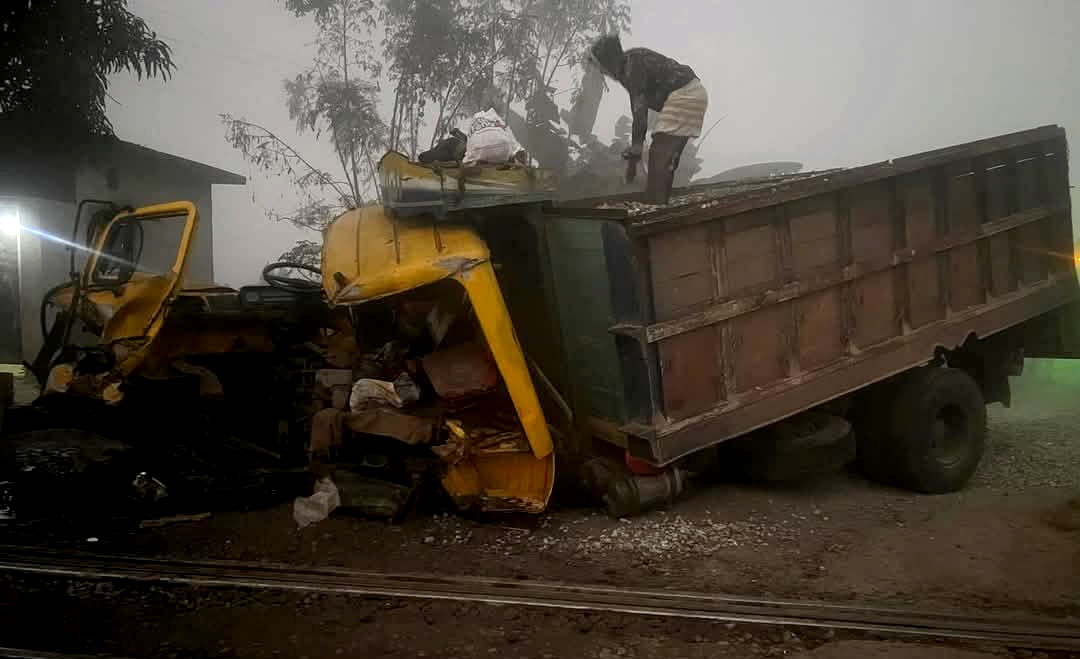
<point x="937" y="431"/>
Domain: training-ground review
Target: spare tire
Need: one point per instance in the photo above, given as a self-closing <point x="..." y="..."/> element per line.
<point x="937" y="430"/>
<point x="802" y="447"/>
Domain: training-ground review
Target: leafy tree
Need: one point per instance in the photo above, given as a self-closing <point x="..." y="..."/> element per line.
<point x="335" y="97"/>
<point x="462" y="56"/>
<point x="56" y="57"/>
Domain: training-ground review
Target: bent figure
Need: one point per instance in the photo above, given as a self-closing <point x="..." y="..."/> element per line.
<point x="665" y="86"/>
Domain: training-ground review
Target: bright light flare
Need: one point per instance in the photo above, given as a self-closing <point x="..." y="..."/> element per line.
<point x="9" y="221"/>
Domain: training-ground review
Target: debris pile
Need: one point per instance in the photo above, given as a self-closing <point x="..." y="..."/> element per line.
<point x="414" y="394"/>
<point x="710" y="194"/>
<point x="663" y="535"/>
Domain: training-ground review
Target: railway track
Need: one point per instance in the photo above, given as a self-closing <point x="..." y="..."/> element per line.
<point x="1021" y="632"/>
<point x="22" y="653"/>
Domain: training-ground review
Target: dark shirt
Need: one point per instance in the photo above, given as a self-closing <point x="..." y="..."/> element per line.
<point x="649" y="77"/>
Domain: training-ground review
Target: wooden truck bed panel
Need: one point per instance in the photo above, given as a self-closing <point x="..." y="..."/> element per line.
<point x="767" y="299"/>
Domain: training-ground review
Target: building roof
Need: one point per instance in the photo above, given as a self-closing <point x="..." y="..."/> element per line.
<point x="198" y="170"/>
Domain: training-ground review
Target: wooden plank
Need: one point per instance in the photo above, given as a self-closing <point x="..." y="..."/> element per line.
<point x="965" y="285"/>
<point x="871" y="223"/>
<point x="999" y="251"/>
<point x="682" y="271"/>
<point x="738" y="306"/>
<point x="820" y="332"/>
<point x="939" y="187"/>
<point x="925" y="304"/>
<point x="689" y="369"/>
<point x="760" y="349"/>
<point x="1030" y="179"/>
<point x="751" y="258"/>
<point x="813" y="235"/>
<point x="847" y="289"/>
<point x="1032" y="250"/>
<point x="877" y="318"/>
<point x="996" y="175"/>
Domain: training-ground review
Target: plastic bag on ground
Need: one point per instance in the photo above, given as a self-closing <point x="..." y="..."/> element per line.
<point x="490" y="140"/>
<point x="318" y="506"/>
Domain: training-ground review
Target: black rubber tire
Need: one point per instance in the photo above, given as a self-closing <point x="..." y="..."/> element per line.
<point x="787" y="453"/>
<point x="938" y="431"/>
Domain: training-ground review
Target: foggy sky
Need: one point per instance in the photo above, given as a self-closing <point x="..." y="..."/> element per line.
<point x="826" y="83"/>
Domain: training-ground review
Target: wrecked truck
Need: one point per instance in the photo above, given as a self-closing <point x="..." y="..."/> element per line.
<point x="133" y="416"/>
<point x="478" y="335"/>
<point x="788" y="324"/>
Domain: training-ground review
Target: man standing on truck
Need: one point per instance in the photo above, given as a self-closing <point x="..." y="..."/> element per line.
<point x="661" y="84"/>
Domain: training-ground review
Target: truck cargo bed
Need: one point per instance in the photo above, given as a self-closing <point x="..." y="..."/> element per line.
<point x="743" y="303"/>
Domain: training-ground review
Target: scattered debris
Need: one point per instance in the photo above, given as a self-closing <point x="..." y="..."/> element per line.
<point x="367" y="392"/>
<point x="149" y="489"/>
<point x="491" y="141"/>
<point x="389" y="422"/>
<point x="317" y="507"/>
<point x="209" y="384"/>
<point x="462" y="370"/>
<point x="710" y="194"/>
<point x="176" y="519"/>
<point x="662" y="535"/>
<point x="336" y="384"/>
<point x="372" y="497"/>
<point x="448" y="150"/>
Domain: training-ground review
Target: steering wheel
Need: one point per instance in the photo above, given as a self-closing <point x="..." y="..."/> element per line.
<point x="295" y="278"/>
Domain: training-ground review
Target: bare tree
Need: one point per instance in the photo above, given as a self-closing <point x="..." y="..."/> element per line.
<point x="336" y="97"/>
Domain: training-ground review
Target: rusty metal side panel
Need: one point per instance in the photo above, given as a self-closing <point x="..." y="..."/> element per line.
<point x="751" y="307"/>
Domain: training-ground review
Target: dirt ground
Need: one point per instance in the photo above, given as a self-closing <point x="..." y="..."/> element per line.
<point x="1008" y="542"/>
<point x="135" y="620"/>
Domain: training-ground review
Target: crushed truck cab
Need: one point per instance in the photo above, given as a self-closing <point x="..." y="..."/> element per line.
<point x="370" y="256"/>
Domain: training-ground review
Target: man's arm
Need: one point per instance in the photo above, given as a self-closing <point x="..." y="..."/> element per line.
<point x="636" y="82"/>
<point x="639" y="109"/>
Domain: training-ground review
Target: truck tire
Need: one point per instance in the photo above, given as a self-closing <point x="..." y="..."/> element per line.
<point x="938" y="431"/>
<point x="811" y="444"/>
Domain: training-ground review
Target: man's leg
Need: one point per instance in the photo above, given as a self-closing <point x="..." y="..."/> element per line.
<point x="678" y="147"/>
<point x="664" y="155"/>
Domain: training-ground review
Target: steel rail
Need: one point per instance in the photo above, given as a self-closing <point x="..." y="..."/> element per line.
<point x="22" y="653"/>
<point x="1014" y="631"/>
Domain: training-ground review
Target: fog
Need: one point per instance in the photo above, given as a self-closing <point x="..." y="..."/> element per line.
<point x="828" y="83"/>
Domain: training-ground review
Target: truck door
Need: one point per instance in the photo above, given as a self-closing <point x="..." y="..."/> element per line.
<point x="136" y="269"/>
